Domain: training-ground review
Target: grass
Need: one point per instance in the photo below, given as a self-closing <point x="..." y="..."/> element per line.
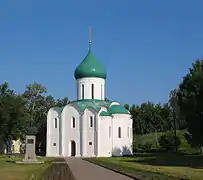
<point x="59" y="171"/>
<point x="9" y="170"/>
<point x="159" y="166"/>
<point x="150" y="138"/>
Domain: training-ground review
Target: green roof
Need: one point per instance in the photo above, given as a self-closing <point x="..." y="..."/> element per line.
<point x="97" y="104"/>
<point x="104" y="113"/>
<point x="90" y="67"/>
<point x="118" y="109"/>
<point x="59" y="109"/>
<point x="91" y="103"/>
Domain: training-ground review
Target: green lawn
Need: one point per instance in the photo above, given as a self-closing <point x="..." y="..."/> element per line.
<point x="162" y="166"/>
<point x="11" y="171"/>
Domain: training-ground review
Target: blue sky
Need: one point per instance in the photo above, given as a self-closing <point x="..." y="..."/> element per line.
<point x="146" y="46"/>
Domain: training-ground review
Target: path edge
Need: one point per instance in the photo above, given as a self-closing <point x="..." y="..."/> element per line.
<point x="111" y="169"/>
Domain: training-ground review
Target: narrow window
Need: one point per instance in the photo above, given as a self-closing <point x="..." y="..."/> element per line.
<point x="55" y="122"/>
<point x="91" y="121"/>
<point x="109" y="131"/>
<point x="119" y="132"/>
<point x="83" y="91"/>
<point x="92" y="91"/>
<point x="101" y="91"/>
<point x="73" y="122"/>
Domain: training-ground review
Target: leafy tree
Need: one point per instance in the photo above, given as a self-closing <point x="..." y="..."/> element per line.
<point x="190" y="97"/>
<point x="126" y="106"/>
<point x="179" y="120"/>
<point x="166" y="115"/>
<point x="34" y="97"/>
<point x="150" y="117"/>
<point x="136" y="123"/>
<point x="168" y="141"/>
<point x="62" y="102"/>
<point x="12" y="116"/>
<point x="26" y="113"/>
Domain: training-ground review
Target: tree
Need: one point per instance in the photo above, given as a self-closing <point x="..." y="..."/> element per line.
<point x="62" y="102"/>
<point x="135" y="121"/>
<point x="12" y="116"/>
<point x="166" y="116"/>
<point x="175" y="112"/>
<point x="175" y="109"/>
<point x="190" y="101"/>
<point x="34" y="97"/>
<point x="25" y="113"/>
<point x="126" y="106"/>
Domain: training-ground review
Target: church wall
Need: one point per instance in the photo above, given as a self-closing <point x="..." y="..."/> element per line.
<point x="122" y="145"/>
<point x="105" y="133"/>
<point x="70" y="130"/>
<point x="52" y="148"/>
<point x="89" y="133"/>
<point x="99" y="88"/>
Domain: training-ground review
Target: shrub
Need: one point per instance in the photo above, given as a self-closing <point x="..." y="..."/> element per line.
<point x="147" y="146"/>
<point x="188" y="137"/>
<point x="143" y="147"/>
<point x="167" y="141"/>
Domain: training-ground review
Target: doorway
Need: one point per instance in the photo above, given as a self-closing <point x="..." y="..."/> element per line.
<point x="73" y="148"/>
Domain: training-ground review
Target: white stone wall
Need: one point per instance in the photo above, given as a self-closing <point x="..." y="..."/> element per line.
<point x="105" y="136"/>
<point x="52" y="148"/>
<point x="89" y="133"/>
<point x="122" y="145"/>
<point x="70" y="133"/>
<point x="99" y="88"/>
<point x="99" y="140"/>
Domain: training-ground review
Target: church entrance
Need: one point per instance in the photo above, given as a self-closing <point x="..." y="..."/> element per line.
<point x="73" y="148"/>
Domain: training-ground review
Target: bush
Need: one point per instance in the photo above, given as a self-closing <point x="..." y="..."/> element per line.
<point x="143" y="147"/>
<point x="188" y="137"/>
<point x="167" y="141"/>
<point x="147" y="146"/>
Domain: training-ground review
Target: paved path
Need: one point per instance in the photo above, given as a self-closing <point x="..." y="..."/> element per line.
<point x="83" y="170"/>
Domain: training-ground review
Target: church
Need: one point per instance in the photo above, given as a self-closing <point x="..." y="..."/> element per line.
<point x="89" y="126"/>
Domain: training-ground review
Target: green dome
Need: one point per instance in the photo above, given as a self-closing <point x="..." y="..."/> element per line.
<point x="90" y="67"/>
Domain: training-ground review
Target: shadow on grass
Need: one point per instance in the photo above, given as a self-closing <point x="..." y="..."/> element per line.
<point x="58" y="169"/>
<point x="169" y="159"/>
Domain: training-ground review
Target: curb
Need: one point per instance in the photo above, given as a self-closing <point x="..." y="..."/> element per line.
<point x="114" y="170"/>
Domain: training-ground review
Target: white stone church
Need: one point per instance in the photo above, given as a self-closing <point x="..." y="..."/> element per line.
<point x="89" y="126"/>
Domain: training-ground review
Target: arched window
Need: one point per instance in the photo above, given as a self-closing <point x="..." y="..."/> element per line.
<point x="91" y="121"/>
<point x="73" y="122"/>
<point x="92" y="91"/>
<point x="83" y="91"/>
<point x="119" y="132"/>
<point x="109" y="131"/>
<point x="55" y="123"/>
